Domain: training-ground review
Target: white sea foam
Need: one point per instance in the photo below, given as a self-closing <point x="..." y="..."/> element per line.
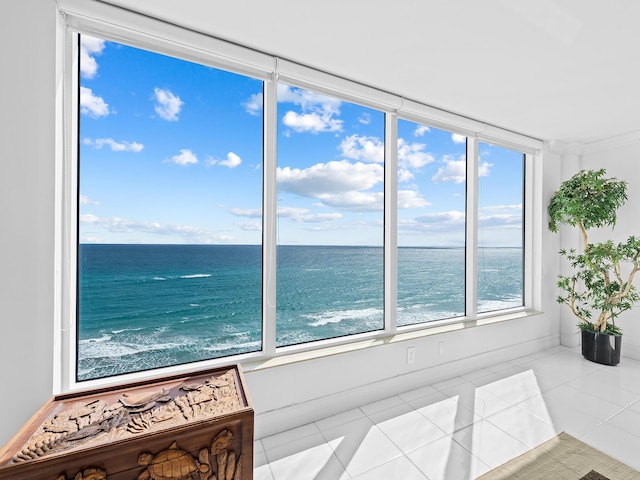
<point x="294" y="338"/>
<point x="493" y="305"/>
<point x="426" y="312"/>
<point x="333" y="316"/>
<point x="408" y="316"/>
<point x="417" y="306"/>
<point x="236" y="346"/>
<point x="116" y="332"/>
<point x="89" y="349"/>
<point x="159" y="278"/>
<point x="104" y="338"/>
<point x="111" y="349"/>
<point x="241" y="334"/>
<point x="197" y="275"/>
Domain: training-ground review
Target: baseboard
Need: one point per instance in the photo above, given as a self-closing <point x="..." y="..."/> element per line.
<point x="275" y="421"/>
<point x="570" y="339"/>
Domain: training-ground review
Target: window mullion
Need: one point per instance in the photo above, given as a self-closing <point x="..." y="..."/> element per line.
<point x="269" y="216"/>
<point x="390" y="223"/>
<point x="471" y="274"/>
<point x="531" y="177"/>
<point x="66" y="215"/>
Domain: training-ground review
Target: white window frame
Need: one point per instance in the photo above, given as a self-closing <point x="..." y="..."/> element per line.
<point x="113" y="23"/>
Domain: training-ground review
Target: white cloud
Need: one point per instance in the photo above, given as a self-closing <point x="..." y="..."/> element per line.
<point x="449" y="222"/>
<point x="411" y="155"/>
<point x="504" y="221"/>
<point x="232" y="161"/>
<point x="453" y="171"/>
<point x="168" y="105"/>
<point x="291" y="212"/>
<point x="371" y="149"/>
<point x="184" y="158"/>
<point x="404" y="175"/>
<point x="356" y="147"/>
<point x="501" y="216"/>
<point x="305" y="216"/>
<point x="500" y="208"/>
<point x="311" y="122"/>
<point x="115" y="146"/>
<point x="307" y="99"/>
<point x="456" y="170"/>
<point x="421" y="130"/>
<point x="253" y="106"/>
<point x="354" y="200"/>
<point x="329" y="178"/>
<point x="411" y="199"/>
<point x="317" y="111"/>
<point x="365" y="119"/>
<point x="483" y="169"/>
<point x="91" y="104"/>
<point x="89" y="48"/>
<point x="440" y="218"/>
<point x="338" y="184"/>
<point x="188" y="233"/>
<point x="321" y="217"/>
<point x="84" y="200"/>
<point x="249" y="226"/>
<point x="247" y="212"/>
<point x="89" y="219"/>
<point x="457" y="138"/>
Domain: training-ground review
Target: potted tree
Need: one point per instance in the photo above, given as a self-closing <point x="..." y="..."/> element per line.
<point x="601" y="285"/>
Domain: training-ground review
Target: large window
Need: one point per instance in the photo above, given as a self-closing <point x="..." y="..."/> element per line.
<point x="229" y="210"/>
<point x="170" y="185"/>
<point x="432" y="169"/>
<point x="500" y="228"/>
<point x="330" y="179"/>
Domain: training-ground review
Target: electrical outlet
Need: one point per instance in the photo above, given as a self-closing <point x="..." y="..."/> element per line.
<point x="411" y="355"/>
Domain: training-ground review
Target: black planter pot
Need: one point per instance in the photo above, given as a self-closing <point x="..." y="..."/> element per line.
<point x="601" y="348"/>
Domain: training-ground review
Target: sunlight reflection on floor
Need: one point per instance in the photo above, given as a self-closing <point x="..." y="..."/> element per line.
<point x="461" y="428"/>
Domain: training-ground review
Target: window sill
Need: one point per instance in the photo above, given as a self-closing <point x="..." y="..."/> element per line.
<point x="302" y="353"/>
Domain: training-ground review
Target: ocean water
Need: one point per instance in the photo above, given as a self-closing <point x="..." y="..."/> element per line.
<point x="147" y="306"/>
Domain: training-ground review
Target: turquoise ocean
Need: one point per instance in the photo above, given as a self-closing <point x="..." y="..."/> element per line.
<point x="146" y="306"/>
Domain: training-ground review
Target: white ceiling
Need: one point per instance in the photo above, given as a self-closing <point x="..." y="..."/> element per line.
<point x="552" y="69"/>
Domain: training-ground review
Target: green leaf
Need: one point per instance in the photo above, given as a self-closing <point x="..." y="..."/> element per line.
<point x="588" y="199"/>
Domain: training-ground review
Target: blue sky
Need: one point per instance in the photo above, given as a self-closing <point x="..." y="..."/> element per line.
<point x="171" y="152"/>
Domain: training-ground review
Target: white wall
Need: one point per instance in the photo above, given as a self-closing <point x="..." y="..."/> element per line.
<point x="27" y="46"/>
<point x="282" y="396"/>
<point x="621" y="158"/>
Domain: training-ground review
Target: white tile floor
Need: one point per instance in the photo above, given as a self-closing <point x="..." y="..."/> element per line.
<point x="461" y="428"/>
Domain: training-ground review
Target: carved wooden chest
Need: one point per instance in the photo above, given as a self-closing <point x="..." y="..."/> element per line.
<point x="196" y="427"/>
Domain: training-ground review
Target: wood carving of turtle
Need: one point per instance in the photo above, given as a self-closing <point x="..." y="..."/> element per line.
<point x="170" y="464"/>
<point x="87" y="474"/>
